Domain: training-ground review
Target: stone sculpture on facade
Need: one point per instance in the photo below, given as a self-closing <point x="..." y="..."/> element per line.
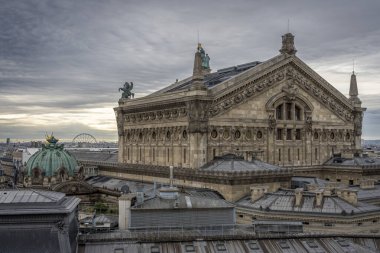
<point x="127" y="90"/>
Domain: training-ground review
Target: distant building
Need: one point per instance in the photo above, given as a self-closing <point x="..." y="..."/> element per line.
<point x="38" y="221"/>
<point x="279" y="109"/>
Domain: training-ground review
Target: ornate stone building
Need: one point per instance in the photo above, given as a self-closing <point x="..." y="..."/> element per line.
<point x="279" y="110"/>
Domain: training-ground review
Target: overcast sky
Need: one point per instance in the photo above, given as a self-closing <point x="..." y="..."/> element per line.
<point x="62" y="62"/>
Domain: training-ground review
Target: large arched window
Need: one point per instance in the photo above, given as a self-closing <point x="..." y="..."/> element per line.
<point x="290" y="115"/>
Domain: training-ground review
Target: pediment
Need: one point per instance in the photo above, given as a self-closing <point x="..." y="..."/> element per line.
<point x="290" y="71"/>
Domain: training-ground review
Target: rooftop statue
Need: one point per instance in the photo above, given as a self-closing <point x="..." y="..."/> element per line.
<point x="51" y="139"/>
<point x="204" y="56"/>
<point x="127" y="90"/>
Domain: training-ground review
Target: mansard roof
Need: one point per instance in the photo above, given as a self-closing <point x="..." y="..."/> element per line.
<point x="212" y="79"/>
<point x="284" y="201"/>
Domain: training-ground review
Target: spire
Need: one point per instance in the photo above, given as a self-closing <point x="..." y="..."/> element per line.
<point x="288" y="44"/>
<point x="354" y="89"/>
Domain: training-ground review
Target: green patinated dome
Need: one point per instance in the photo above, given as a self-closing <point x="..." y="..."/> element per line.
<point x="51" y="160"/>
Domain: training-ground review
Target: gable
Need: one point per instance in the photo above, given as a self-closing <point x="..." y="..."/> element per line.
<point x="259" y="84"/>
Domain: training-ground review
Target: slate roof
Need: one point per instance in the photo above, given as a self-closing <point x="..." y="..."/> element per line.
<point x="111" y="243"/>
<point x="283" y="201"/>
<point x="33" y="201"/>
<point x="232" y="162"/>
<point x="213" y="79"/>
<point x="183" y="203"/>
<point x="356" y="161"/>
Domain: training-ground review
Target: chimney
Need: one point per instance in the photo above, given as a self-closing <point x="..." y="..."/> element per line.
<point x="288" y="44"/>
<point x="349" y="195"/>
<point x="125" y="210"/>
<point x="258" y="191"/>
<point x="298" y="194"/>
<point x="319" y="198"/>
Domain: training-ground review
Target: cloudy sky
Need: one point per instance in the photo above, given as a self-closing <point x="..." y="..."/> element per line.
<point x="62" y="62"/>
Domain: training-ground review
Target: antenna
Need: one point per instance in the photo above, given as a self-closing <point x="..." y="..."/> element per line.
<point x="353" y="66"/>
<point x="198" y="35"/>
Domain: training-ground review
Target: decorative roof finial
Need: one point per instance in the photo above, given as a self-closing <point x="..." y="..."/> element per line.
<point x="354" y="89"/>
<point x="288" y="44"/>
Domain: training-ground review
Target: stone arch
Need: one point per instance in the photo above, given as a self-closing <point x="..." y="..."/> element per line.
<point x="299" y="99"/>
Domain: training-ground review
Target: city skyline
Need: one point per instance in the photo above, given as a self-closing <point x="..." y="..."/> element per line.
<point x="61" y="63"/>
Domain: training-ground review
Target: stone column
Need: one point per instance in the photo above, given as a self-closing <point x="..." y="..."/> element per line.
<point x="198" y="130"/>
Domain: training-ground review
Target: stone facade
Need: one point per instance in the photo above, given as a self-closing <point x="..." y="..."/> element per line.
<point x="279" y="111"/>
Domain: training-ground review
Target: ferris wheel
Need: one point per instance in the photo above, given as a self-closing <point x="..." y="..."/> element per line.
<point x="84" y="139"/>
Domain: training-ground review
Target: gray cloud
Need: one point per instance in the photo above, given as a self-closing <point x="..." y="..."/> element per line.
<point x="68" y="56"/>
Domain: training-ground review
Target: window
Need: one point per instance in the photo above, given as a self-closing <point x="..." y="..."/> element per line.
<point x="168" y="155"/>
<point x="140" y="154"/>
<point x="237" y="134"/>
<point x="279" y="134"/>
<point x="316" y="136"/>
<point x="220" y="247"/>
<point x="168" y="135"/>
<point x="128" y="153"/>
<point x="298" y="134"/>
<point x="259" y="135"/>
<point x="279" y="112"/>
<point x="214" y="134"/>
<point x="328" y="224"/>
<point x="279" y="155"/>
<point x="253" y="245"/>
<point x="184" y="155"/>
<point x="189" y="248"/>
<point x="298" y="154"/>
<point x="288" y="134"/>
<point x="184" y="135"/>
<point x="348" y="136"/>
<point x="288" y="111"/>
<point x="154" y="249"/>
<point x="351" y="182"/>
<point x="289" y="158"/>
<point x="153" y="154"/>
<point x="316" y="153"/>
<point x="338" y="180"/>
<point x="213" y="153"/>
<point x="154" y="136"/>
<point x="297" y="112"/>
